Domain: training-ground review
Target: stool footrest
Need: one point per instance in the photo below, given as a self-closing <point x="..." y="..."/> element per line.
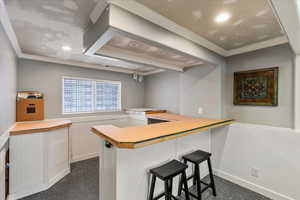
<point x="190" y="177"/>
<point x="205" y="188"/>
<point x="163" y="194"/>
<point x="204" y="183"/>
<point x="195" y="196"/>
<point x="159" y="196"/>
<point x="175" y="198"/>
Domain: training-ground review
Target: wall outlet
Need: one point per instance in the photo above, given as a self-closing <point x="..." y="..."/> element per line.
<point x="254" y="172"/>
<point x="200" y="110"/>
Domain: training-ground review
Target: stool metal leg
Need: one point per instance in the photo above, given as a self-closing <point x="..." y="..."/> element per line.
<point x="180" y="182"/>
<point x="211" y="176"/>
<point x="198" y="182"/>
<point x="171" y="187"/>
<point x="186" y="187"/>
<point x="167" y="193"/>
<point x="194" y="178"/>
<point x="180" y="186"/>
<point x="152" y="187"/>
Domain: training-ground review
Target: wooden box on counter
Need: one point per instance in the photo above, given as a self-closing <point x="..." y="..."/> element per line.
<point x="30" y="106"/>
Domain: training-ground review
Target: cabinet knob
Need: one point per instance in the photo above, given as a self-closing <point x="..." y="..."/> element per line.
<point x="108" y="144"/>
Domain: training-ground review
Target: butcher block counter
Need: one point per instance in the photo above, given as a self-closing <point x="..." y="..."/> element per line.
<point x="38" y="126"/>
<point x="140" y="136"/>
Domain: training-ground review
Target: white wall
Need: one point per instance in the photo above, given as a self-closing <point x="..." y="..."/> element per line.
<point x="273" y="151"/>
<point x="184" y="93"/>
<point x="83" y="143"/>
<point x="8" y="65"/>
<point x="201" y="87"/>
<point x="47" y="78"/>
<point x="263" y="140"/>
<point x="282" y="115"/>
<point x="163" y="90"/>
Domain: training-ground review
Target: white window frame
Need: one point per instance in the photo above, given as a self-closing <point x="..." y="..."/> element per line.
<point x="119" y="109"/>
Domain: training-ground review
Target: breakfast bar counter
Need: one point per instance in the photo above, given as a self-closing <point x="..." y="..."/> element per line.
<point x="127" y="154"/>
<point x="139" y="136"/>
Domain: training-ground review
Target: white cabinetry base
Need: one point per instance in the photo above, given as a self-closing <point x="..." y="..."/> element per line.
<point x="124" y="172"/>
<point x="37" y="161"/>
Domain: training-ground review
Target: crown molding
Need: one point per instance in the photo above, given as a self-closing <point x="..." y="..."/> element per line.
<point x="257" y="46"/>
<point x="154" y="72"/>
<point x="85" y="65"/>
<point x="288" y="14"/>
<point x="75" y="63"/>
<point x="8" y="28"/>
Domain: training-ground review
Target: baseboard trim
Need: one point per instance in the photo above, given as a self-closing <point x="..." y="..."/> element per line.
<point x="26" y="193"/>
<point x="58" y="177"/>
<point x="252" y="186"/>
<point x="84" y="157"/>
<point x="40" y="188"/>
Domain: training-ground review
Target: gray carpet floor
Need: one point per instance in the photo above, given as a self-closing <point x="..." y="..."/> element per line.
<point x="82" y="184"/>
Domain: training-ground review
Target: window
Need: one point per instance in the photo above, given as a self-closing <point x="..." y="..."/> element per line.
<point x="85" y="96"/>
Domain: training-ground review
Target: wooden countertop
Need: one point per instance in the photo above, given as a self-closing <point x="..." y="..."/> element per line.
<point x="38" y="126"/>
<point x="139" y="136"/>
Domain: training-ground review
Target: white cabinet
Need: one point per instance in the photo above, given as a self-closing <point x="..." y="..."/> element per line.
<point x="124" y="172"/>
<point x="37" y="161"/>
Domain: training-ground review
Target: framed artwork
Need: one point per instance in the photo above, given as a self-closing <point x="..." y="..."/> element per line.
<point x="256" y="87"/>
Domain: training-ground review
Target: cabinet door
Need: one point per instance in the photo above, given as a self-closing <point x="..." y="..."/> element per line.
<point x="27" y="154"/>
<point x="58" y="154"/>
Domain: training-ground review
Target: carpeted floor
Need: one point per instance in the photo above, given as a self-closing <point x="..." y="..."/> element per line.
<point x="82" y="184"/>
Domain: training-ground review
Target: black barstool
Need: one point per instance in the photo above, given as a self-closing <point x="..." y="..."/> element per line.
<point x="166" y="173"/>
<point x="196" y="158"/>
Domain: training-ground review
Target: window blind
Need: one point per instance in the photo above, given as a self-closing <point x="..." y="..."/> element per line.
<point x="107" y="96"/>
<point x="78" y="95"/>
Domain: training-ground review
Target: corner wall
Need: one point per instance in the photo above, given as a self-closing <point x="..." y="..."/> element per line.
<point x="185" y="93"/>
<point x="8" y="65"/>
<point x="266" y="142"/>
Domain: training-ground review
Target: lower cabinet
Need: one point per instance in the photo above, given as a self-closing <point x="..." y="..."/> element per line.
<point x="37" y="161"/>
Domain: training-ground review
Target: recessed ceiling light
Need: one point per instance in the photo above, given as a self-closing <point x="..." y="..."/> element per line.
<point x="66" y="48"/>
<point x="222" y="17"/>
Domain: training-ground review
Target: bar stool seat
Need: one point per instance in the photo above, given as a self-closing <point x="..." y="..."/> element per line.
<point x="166" y="173"/>
<point x="171" y="169"/>
<point x="197" y="157"/>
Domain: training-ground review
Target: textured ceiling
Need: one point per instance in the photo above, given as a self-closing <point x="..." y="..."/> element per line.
<point x="133" y="48"/>
<point x="252" y="21"/>
<point x="42" y="27"/>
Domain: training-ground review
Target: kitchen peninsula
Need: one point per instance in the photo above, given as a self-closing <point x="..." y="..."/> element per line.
<point x="127" y="154"/>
